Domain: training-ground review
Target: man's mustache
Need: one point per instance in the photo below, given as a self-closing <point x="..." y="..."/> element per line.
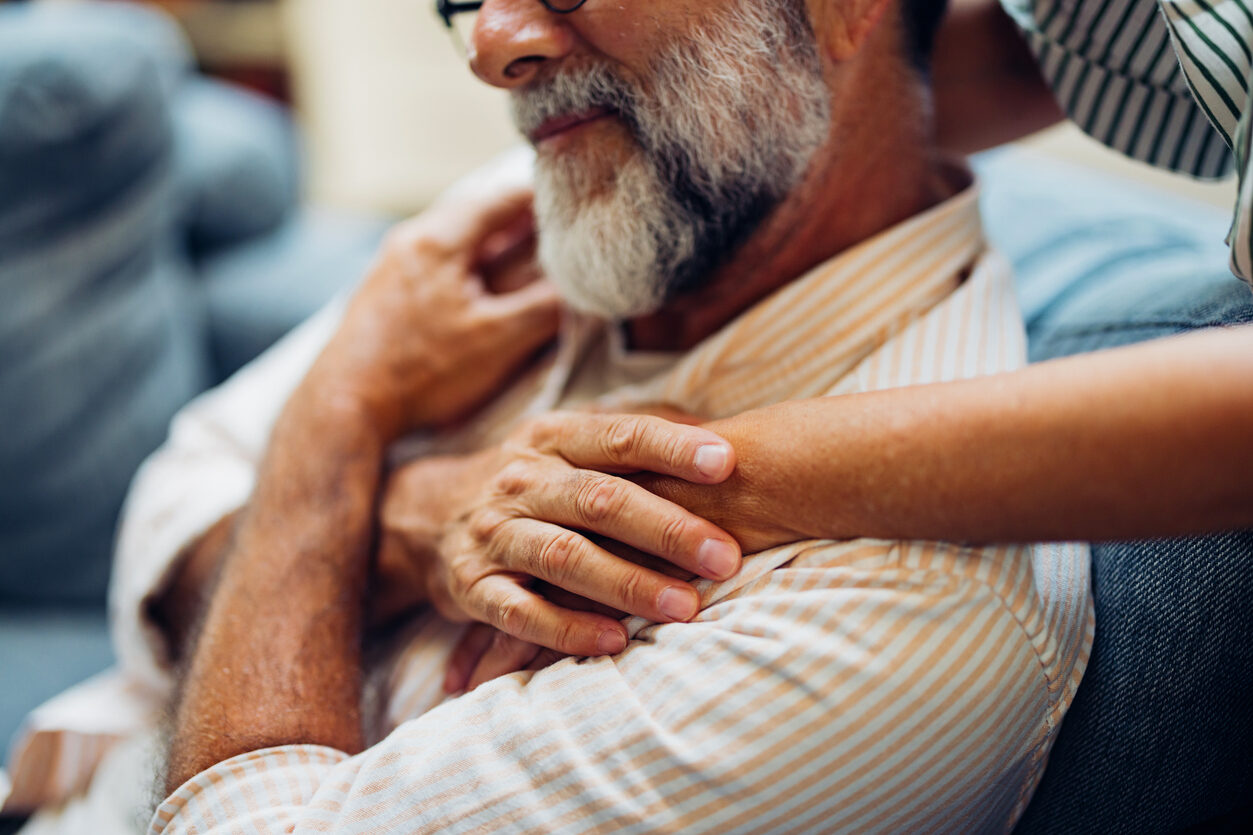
<point x="574" y="91"/>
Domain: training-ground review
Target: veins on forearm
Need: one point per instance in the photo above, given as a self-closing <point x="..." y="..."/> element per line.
<point x="277" y="660"/>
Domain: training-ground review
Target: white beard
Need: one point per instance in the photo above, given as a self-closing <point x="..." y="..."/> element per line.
<point x="732" y="117"/>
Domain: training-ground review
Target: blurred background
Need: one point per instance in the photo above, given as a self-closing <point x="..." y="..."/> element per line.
<point x="380" y="90"/>
<point x="377" y="86"/>
<point x="182" y="181"/>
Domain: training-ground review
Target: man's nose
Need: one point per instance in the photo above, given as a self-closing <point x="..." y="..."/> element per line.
<point x="513" y="39"/>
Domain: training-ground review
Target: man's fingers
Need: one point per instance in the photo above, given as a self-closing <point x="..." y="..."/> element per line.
<point x="629" y="443"/>
<point x="505" y="654"/>
<point x="616" y="508"/>
<point x="534" y="307"/>
<point x="465" y="656"/>
<point x="546" y="657"/>
<point x="499" y="600"/>
<point x="464" y="221"/>
<point x="525" y="319"/>
<point x="569" y="561"/>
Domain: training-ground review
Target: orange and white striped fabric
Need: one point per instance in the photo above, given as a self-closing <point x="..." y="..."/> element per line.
<point x="856" y="686"/>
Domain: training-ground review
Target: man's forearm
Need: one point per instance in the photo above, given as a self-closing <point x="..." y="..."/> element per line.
<point x="177" y="607"/>
<point x="1151" y="440"/>
<point x="277" y="659"/>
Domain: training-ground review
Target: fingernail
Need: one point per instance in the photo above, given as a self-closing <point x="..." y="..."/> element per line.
<point x="717" y="559"/>
<point x="677" y="604"/>
<point x="611" y="642"/>
<point x="711" y="460"/>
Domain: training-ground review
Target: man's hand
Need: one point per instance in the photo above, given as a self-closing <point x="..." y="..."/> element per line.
<point x="278" y="656"/>
<point x="424" y="339"/>
<point x="520" y="515"/>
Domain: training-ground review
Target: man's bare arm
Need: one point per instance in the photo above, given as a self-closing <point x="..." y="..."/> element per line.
<point x="1149" y="440"/>
<point x="278" y="656"/>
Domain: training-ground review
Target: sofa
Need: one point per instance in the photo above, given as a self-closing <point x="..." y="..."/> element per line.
<point x="152" y="240"/>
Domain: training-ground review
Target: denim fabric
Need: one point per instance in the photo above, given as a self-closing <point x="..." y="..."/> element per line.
<point x="1160" y="736"/>
<point x="98" y="338"/>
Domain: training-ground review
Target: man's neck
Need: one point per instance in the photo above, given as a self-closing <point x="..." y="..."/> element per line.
<point x="861" y="183"/>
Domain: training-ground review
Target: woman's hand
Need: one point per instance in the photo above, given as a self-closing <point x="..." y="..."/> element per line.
<point x="472" y="535"/>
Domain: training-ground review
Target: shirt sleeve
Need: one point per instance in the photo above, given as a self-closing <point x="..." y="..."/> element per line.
<point x="1162" y="81"/>
<point x="203" y="471"/>
<point x="853" y="688"/>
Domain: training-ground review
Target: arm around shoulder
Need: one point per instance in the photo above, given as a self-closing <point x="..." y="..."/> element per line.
<point x="1148" y="440"/>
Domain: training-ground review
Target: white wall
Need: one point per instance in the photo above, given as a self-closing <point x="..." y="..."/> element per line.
<point x="391" y="112"/>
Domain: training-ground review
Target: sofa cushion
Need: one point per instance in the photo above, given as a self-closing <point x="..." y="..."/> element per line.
<point x="256" y="292"/>
<point x="1160" y="736"/>
<point x="100" y="338"/>
<point x="44" y="651"/>
<point x="238" y="164"/>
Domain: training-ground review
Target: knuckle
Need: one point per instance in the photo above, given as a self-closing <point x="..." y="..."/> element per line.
<point x="463" y="574"/>
<point x="596" y="498"/>
<point x="633" y="589"/>
<point x="621" y="440"/>
<point x="514" y="479"/>
<point x="675" y="450"/>
<point x="568" y="638"/>
<point x="672" y="534"/>
<point x="484" y="525"/>
<point x="542" y="431"/>
<point x="510" y="616"/>
<point x="560" y="556"/>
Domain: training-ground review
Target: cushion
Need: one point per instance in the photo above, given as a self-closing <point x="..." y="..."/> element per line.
<point x="1161" y="731"/>
<point x="101" y="340"/>
<point x="238" y="165"/>
<point x="256" y="292"/>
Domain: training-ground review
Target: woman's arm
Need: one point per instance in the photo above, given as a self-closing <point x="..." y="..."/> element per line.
<point x="1149" y="440"/>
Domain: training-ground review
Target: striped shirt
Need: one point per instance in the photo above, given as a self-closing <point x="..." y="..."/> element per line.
<point x="854" y="686"/>
<point x="862" y="685"/>
<point x="1163" y="81"/>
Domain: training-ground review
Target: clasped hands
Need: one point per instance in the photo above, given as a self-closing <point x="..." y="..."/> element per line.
<point x="544" y="540"/>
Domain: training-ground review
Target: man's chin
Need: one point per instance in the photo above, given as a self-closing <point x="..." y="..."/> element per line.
<point x="588" y="158"/>
<point x="601" y="305"/>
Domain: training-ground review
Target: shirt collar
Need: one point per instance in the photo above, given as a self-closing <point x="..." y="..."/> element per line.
<point x="820" y="326"/>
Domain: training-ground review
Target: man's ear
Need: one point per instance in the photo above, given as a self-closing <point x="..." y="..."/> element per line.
<point x="842" y="26"/>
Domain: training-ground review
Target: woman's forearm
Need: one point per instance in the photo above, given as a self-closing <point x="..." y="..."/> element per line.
<point x="1150" y="440"/>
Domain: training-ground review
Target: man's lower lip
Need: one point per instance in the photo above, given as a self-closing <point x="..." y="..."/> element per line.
<point x="571" y="128"/>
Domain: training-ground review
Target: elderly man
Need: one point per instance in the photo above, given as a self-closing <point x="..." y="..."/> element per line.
<point x="739" y="204"/>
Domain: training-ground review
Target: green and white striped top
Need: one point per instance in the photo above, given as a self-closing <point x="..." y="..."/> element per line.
<point x="1163" y="81"/>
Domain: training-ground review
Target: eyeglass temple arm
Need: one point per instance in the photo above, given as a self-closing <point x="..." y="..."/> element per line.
<point x="446" y="9"/>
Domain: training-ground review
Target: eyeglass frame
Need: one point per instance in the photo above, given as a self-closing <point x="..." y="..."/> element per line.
<point x="448" y="9"/>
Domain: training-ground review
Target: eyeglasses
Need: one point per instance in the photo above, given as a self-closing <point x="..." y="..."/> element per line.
<point x="459" y="16"/>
